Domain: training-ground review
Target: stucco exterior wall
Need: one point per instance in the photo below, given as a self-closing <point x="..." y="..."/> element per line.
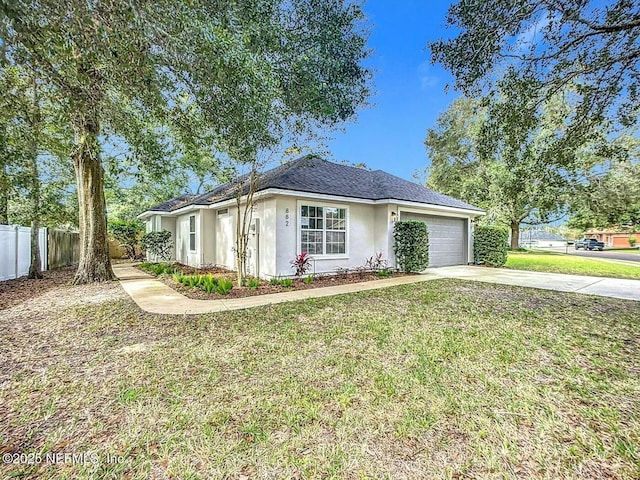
<point x="362" y="238"/>
<point x="207" y="239"/>
<point x="225" y="230"/>
<point x="169" y="224"/>
<point x="183" y="253"/>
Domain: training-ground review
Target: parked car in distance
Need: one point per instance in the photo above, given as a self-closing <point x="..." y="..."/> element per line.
<point x="589" y="244"/>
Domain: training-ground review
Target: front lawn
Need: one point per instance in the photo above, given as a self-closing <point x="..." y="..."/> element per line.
<point x="442" y="379"/>
<point x="571" y="264"/>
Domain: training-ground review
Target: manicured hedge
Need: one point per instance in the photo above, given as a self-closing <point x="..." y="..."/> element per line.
<point x="411" y="245"/>
<point x="490" y="245"/>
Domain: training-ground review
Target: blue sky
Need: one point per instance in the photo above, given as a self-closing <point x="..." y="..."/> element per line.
<point x="409" y="91"/>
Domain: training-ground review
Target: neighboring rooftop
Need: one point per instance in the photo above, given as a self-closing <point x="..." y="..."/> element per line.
<point x="315" y="175"/>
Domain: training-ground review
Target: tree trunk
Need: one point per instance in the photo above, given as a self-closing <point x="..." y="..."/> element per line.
<point x="5" y="183"/>
<point x="515" y="235"/>
<point x="95" y="264"/>
<point x="35" y="270"/>
<point x="4" y="196"/>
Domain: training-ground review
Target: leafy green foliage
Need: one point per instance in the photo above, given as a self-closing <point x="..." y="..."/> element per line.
<point x="184" y="81"/>
<point x="411" y="245"/>
<point x="309" y="279"/>
<point x="127" y="234"/>
<point x="157" y="244"/>
<point x="632" y="241"/>
<point x="282" y="282"/>
<point x="612" y="198"/>
<point x="208" y="283"/>
<point x="224" y="286"/>
<point x="253" y="283"/>
<point x="159" y="268"/>
<point x="490" y="245"/>
<point x="553" y="42"/>
<point x="505" y="156"/>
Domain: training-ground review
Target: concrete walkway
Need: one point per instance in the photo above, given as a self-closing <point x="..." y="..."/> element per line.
<point x="153" y="296"/>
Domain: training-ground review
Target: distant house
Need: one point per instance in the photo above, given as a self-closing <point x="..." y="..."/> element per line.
<point x="337" y="214"/>
<point x="612" y="237"/>
<point x="541" y="239"/>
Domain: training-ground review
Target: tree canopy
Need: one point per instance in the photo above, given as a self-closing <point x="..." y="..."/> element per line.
<point x="507" y="157"/>
<point x="201" y="76"/>
<point x="590" y="43"/>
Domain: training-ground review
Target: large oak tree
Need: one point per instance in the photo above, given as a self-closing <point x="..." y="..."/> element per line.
<point x="238" y="72"/>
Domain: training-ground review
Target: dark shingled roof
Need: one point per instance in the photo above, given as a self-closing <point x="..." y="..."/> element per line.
<point x="174" y="203"/>
<point x="315" y="175"/>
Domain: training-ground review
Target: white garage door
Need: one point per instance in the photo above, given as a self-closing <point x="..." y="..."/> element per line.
<point x="447" y="238"/>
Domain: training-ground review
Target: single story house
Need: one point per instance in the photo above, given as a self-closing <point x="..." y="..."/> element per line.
<point x="339" y="215"/>
<point x="613" y="238"/>
<point x="539" y="238"/>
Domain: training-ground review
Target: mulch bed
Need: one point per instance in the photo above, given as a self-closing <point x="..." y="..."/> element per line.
<point x="321" y="280"/>
<point x="19" y="290"/>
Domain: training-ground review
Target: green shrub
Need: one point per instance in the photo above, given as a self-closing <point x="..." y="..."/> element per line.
<point x="190" y="280"/>
<point x="286" y="282"/>
<point x="632" y="241"/>
<point x="158" y="268"/>
<point x="158" y="245"/>
<point x="383" y="273"/>
<point x="126" y="233"/>
<point x="208" y="283"/>
<point x="309" y="279"/>
<point x="411" y="245"/>
<point x="253" y="283"/>
<point x="490" y="245"/>
<point x="224" y="286"/>
<point x="275" y="281"/>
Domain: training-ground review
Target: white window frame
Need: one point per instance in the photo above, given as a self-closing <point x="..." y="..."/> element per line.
<point x="195" y="229"/>
<point x="323" y="204"/>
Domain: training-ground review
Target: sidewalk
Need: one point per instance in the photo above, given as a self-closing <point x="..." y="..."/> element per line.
<point x="153" y="296"/>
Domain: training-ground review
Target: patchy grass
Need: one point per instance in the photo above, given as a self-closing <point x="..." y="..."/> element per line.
<point x="442" y="379"/>
<point x="556" y="263"/>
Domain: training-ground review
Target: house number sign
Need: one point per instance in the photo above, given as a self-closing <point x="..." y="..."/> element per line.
<point x="286" y="217"/>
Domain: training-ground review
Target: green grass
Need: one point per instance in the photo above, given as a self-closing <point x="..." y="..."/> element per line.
<point x="442" y="379"/>
<point x="557" y="263"/>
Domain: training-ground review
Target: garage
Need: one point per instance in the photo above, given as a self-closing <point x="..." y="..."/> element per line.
<point x="447" y="238"/>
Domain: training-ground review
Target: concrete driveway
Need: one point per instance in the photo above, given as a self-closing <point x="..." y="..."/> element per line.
<point x="606" y="287"/>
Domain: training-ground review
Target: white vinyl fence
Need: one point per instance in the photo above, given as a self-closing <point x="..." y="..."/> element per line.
<point x="15" y="250"/>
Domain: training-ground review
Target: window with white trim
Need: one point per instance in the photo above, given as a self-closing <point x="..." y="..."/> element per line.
<point x="323" y="230"/>
<point x="192" y="233"/>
